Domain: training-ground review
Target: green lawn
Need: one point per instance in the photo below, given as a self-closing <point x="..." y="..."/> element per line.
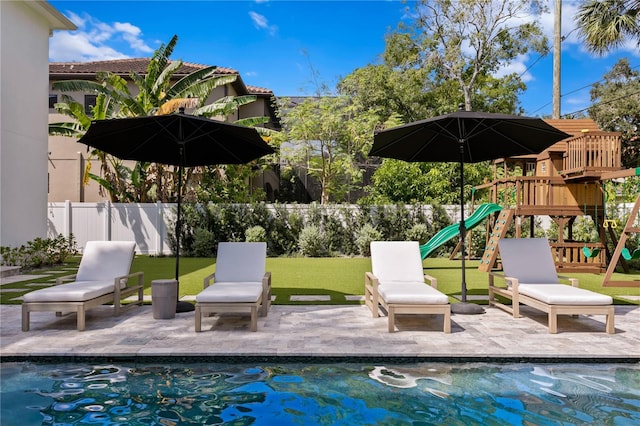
<point x="335" y="277"/>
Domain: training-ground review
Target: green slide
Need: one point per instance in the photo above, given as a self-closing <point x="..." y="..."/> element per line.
<point x="452" y="231"/>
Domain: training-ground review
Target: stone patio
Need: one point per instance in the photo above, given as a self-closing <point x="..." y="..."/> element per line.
<point x="321" y="331"/>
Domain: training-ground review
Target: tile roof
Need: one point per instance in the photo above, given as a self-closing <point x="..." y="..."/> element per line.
<point x="139" y="65"/>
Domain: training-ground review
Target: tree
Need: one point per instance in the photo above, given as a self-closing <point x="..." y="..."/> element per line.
<point x="616" y="107"/>
<point x="327" y="136"/>
<point x="605" y="24"/>
<point x="450" y="52"/>
<point x="402" y="182"/>
<point x="467" y="40"/>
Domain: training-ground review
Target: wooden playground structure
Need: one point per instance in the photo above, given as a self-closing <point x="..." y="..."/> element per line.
<point x="564" y="182"/>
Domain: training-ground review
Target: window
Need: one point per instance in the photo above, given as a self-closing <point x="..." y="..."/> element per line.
<point x="53" y="99"/>
<point x="89" y="101"/>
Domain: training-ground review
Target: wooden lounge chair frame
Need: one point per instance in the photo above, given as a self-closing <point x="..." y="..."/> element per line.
<point x="80" y="307"/>
<point x="511" y="292"/>
<point x="374" y="300"/>
<point x="259" y="307"/>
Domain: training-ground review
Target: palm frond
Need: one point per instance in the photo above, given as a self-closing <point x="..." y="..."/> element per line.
<point x="224" y="106"/>
<point x="190" y="79"/>
<point x="201" y="89"/>
<point x="252" y="121"/>
<point x="164" y="78"/>
<point x="74" y="110"/>
<point x="83" y="86"/>
<point x="66" y="129"/>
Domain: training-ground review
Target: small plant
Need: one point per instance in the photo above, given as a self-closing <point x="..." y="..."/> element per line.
<point x="364" y="236"/>
<point x="311" y="242"/>
<point x="39" y="252"/>
<point x="255" y="234"/>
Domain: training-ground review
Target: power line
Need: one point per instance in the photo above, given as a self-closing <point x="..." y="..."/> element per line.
<point x="602" y="103"/>
<point x="577" y="90"/>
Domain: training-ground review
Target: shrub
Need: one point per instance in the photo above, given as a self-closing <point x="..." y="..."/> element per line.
<point x="204" y="243"/>
<point x="311" y="242"/>
<point x="365" y="235"/>
<point x="418" y="232"/>
<point x="255" y="234"/>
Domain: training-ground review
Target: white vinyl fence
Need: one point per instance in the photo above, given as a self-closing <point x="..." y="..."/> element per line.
<point x="144" y="223"/>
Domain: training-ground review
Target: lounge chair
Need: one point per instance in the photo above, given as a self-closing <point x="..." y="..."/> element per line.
<point x="239" y="284"/>
<point x="397" y="283"/>
<point x="531" y="279"/>
<point x="103" y="277"/>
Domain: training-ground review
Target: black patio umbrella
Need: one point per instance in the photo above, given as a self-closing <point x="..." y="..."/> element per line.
<point x="180" y="140"/>
<point x="466" y="137"/>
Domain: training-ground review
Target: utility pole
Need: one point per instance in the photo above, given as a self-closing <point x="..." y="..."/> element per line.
<point x="557" y="53"/>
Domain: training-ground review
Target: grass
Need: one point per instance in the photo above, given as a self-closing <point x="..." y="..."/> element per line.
<point x="335" y="277"/>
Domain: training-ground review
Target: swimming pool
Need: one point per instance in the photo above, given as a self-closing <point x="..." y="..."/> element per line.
<point x="319" y="394"/>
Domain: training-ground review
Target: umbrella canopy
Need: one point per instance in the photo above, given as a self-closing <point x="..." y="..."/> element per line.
<point x="176" y="139"/>
<point x="179" y="140"/>
<point x="483" y="136"/>
<point x="465" y="137"/>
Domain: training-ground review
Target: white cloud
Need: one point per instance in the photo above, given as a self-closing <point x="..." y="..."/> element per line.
<point x="132" y="34"/>
<point x="68" y="47"/>
<point x="517" y="66"/>
<point x="261" y="22"/>
<point x="97" y="41"/>
<point x="251" y="73"/>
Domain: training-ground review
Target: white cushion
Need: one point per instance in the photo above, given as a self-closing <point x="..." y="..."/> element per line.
<point x="528" y="259"/>
<point x="561" y="294"/>
<point x="396" y="261"/>
<point x="226" y="292"/>
<point x="241" y="261"/>
<point x="417" y="293"/>
<point x="105" y="260"/>
<point x="78" y="291"/>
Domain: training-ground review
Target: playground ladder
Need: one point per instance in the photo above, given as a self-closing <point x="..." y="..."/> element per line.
<point x="500" y="228"/>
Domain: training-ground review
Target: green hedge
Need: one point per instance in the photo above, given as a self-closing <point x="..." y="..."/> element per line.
<point x="343" y="229"/>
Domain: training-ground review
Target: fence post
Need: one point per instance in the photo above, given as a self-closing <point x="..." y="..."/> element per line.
<point x="68" y="224"/>
<point x="107" y="220"/>
<point x="159" y="229"/>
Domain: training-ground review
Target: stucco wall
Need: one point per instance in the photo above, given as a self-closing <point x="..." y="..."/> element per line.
<point x="24" y="76"/>
<point x="23" y="110"/>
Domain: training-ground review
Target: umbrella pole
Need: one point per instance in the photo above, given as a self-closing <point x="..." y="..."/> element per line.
<point x="463" y="230"/>
<point x="180" y="305"/>
<point x="463" y="307"/>
<point x="178" y="224"/>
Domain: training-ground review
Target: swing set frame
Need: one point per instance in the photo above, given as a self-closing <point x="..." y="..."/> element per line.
<point x="621" y="252"/>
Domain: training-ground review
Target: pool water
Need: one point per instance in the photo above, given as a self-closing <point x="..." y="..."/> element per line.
<point x="320" y="394"/>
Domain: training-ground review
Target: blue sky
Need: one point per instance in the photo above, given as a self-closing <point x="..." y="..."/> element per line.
<point x="291" y="46"/>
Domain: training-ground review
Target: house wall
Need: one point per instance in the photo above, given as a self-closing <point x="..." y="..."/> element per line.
<point x="24" y="54"/>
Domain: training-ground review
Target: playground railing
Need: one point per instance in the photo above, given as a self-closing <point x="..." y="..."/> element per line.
<point x="570" y="257"/>
<point x="592" y="152"/>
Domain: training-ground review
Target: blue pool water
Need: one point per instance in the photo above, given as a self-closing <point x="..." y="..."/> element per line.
<point x="320" y="394"/>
